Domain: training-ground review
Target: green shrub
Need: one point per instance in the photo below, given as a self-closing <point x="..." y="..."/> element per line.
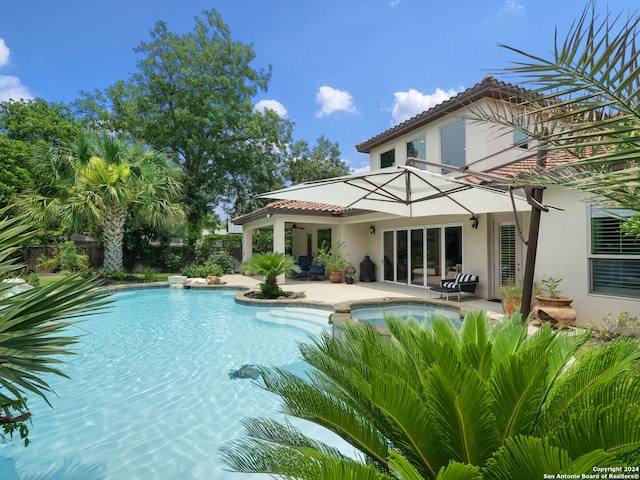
<point x="613" y="327"/>
<point x="31" y="278"/>
<point x="269" y="290"/>
<point x="211" y="244"/>
<point x="223" y="259"/>
<point x="149" y="274"/>
<point x="173" y="262"/>
<point x="202" y="271"/>
<point x="66" y="259"/>
<point x="117" y="275"/>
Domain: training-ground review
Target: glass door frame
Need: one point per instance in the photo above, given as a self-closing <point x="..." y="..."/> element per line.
<point x="391" y="265"/>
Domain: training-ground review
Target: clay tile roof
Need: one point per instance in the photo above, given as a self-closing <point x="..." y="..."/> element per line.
<point x="528" y="164"/>
<point x="298" y="207"/>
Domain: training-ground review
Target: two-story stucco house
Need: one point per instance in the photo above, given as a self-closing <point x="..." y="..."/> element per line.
<point x="578" y="242"/>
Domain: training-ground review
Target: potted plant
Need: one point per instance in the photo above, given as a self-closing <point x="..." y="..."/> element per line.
<point x="350" y="274"/>
<point x="511" y="294"/>
<point x="334" y="259"/>
<point x="553" y="307"/>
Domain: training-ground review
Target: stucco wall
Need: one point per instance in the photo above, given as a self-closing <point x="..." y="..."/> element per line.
<point x="486" y="145"/>
<point x="563" y="253"/>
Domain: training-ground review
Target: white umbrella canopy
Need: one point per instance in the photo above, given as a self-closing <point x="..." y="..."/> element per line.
<point x="405" y="191"/>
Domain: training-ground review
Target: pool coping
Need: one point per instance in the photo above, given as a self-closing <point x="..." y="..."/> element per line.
<point x="341" y="311"/>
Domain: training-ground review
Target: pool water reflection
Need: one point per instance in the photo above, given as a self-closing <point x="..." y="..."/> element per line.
<point x="149" y="395"/>
<point x="422" y="313"/>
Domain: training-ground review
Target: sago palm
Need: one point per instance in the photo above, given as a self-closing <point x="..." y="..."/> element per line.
<point x="97" y="180"/>
<point x="486" y="401"/>
<point x="34" y="326"/>
<point x="271" y="265"/>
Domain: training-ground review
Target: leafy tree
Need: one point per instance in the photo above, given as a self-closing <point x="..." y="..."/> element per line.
<point x="271" y="265"/>
<point x="323" y="161"/>
<point x="583" y="101"/>
<point x="22" y="124"/>
<point x="13" y="174"/>
<point x="484" y="401"/>
<point x="33" y="120"/>
<point x="33" y="326"/>
<point x="192" y="95"/>
<point x="96" y="180"/>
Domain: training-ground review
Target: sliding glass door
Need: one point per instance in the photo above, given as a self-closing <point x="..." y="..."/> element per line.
<point x="422" y="256"/>
<point x="389" y="256"/>
<point x="417" y="265"/>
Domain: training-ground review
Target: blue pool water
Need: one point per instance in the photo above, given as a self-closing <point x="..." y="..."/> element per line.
<point x="422" y="313"/>
<point x="150" y="395"/>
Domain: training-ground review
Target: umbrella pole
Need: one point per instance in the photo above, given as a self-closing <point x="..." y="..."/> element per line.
<point x="534" y="195"/>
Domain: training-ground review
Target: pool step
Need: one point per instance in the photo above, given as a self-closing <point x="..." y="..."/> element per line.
<point x="296" y="317"/>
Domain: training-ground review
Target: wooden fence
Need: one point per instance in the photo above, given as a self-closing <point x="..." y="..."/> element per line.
<point x="31" y="253"/>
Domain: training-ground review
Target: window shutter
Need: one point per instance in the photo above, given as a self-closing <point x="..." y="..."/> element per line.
<point x="507" y="254"/>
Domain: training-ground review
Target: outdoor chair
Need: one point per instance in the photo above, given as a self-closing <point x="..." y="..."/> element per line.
<point x="304" y="262"/>
<point x="463" y="282"/>
<point x="316" y="272"/>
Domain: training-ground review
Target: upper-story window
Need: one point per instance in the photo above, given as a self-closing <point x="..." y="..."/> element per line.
<point x="520" y="138"/>
<point x="452" y="145"/>
<point x="388" y="159"/>
<point x="417" y="149"/>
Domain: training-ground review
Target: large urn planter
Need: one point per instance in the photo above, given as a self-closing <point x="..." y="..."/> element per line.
<point x="558" y="311"/>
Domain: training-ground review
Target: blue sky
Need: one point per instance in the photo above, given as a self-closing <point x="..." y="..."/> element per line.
<point x="348" y="69"/>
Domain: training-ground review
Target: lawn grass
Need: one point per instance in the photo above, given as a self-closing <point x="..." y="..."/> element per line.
<point x="49" y="278"/>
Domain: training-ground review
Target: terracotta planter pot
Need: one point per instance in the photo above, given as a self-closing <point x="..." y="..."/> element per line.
<point x="509" y="304"/>
<point x="558" y="311"/>
<point x="335" y="276"/>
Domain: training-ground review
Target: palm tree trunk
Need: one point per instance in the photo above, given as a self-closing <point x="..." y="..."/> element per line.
<point x="112" y="237"/>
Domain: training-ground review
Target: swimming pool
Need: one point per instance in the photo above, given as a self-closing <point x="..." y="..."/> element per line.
<point x="150" y="395"/>
<point x="422" y="313"/>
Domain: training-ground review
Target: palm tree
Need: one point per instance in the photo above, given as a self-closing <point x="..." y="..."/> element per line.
<point x="486" y="401"/>
<point x="582" y="102"/>
<point x="33" y="328"/>
<point x="271" y="265"/>
<point x="98" y="180"/>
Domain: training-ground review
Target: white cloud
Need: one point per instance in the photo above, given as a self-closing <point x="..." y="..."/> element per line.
<point x="274" y="105"/>
<point x="333" y="100"/>
<point x="12" y="89"/>
<point x="4" y="53"/>
<point x="361" y="169"/>
<point x="512" y="6"/>
<point x="394" y="3"/>
<point x="413" y="102"/>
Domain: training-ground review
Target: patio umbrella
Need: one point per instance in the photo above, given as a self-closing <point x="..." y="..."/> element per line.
<point x="405" y="191"/>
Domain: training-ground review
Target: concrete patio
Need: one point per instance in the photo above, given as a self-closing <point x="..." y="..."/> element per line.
<point x="333" y="294"/>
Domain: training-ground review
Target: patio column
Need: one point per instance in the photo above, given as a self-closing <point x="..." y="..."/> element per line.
<point x="278" y="240"/>
<point x="247" y="244"/>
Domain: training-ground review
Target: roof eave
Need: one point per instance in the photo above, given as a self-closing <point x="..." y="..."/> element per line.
<point x="489" y="87"/>
<point x="266" y="211"/>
